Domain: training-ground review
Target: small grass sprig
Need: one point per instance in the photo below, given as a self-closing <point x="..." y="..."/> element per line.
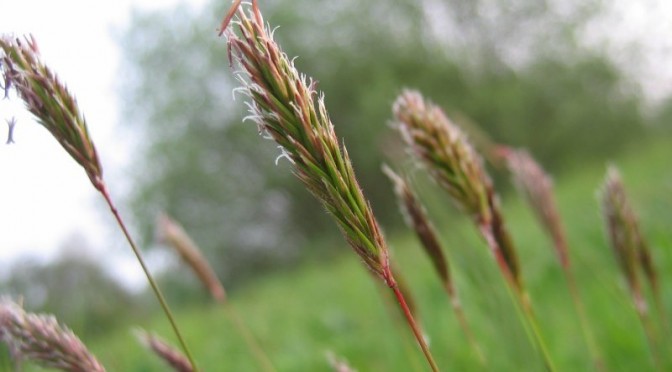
<point x="453" y="163"/>
<point x="442" y="147"/>
<point x="627" y="243"/>
<point x="48" y="100"/>
<point x="173" y="234"/>
<point x="536" y="187"/>
<point x="288" y="109"/>
<point x="171" y="356"/>
<point x="56" y="109"/>
<point x="40" y="339"/>
<point x="416" y="217"/>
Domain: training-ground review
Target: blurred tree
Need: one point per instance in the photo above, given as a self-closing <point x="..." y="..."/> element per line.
<point x="515" y="68"/>
<point x="74" y="288"/>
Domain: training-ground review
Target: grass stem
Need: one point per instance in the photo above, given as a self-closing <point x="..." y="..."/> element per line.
<point x="462" y="319"/>
<point x="102" y="188"/>
<point x="411" y="321"/>
<point x="252" y="344"/>
<point x="521" y="297"/>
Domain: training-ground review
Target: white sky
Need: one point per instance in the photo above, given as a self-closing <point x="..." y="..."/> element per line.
<point x="46" y="198"/>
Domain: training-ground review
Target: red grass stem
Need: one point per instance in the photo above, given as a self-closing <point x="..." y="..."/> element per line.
<point x="389" y="279"/>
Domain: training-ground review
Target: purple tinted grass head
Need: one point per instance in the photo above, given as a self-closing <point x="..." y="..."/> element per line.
<point x="55" y="108"/>
<point x="169" y="354"/>
<point x="40" y="339"/>
<point x="288" y="109"/>
<point x="453" y="163"/>
<point x="537" y="188"/>
<point x="625" y="236"/>
<point x="416" y="217"/>
<point x="445" y="151"/>
<point x="48" y="99"/>
<point x="172" y="234"/>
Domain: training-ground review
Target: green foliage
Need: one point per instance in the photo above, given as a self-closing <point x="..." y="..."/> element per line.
<point x="352" y="321"/>
<point x="200" y="164"/>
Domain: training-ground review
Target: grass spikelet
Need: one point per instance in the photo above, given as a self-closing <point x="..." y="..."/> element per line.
<point x="56" y="109"/>
<point x="630" y="250"/>
<point x="416" y="217"/>
<point x="623" y="233"/>
<point x="173" y="357"/>
<point x="48" y="100"/>
<point x="537" y="189"/>
<point x="454" y="164"/>
<point x="40" y="339"/>
<point x="171" y="233"/>
<point x="287" y="108"/>
<point x="451" y="160"/>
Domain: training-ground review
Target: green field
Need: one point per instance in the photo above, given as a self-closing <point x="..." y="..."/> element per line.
<point x="333" y="305"/>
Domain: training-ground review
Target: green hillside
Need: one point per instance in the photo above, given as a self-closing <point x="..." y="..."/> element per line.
<point x="333" y="305"/>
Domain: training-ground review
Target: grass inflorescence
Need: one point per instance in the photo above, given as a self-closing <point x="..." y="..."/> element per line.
<point x="40" y="339"/>
<point x="289" y="110"/>
<point x="52" y="104"/>
<point x="445" y="151"/>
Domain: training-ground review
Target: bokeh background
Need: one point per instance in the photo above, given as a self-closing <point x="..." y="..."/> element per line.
<point x="580" y="84"/>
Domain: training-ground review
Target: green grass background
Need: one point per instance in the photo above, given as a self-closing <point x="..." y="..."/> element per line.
<point x="331" y="304"/>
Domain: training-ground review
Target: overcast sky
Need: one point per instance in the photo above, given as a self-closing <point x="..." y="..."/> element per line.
<point x="46" y="198"/>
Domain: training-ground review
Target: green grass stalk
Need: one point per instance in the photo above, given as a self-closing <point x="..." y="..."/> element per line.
<point x="170" y="232"/>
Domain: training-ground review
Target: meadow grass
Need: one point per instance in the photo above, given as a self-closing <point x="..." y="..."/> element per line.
<point x="353" y="324"/>
<point x="298" y="332"/>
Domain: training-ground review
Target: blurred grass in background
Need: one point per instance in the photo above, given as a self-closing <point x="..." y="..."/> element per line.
<point x="271" y="243"/>
<point x="331" y="303"/>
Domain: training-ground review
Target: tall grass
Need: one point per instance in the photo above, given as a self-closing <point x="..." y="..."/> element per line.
<point x="41" y="339"/>
<point x="537" y="189"/>
<point x="56" y="109"/>
<point x="442" y="147"/>
<point x="288" y="109"/>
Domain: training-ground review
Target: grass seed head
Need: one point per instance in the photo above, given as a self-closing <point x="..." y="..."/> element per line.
<point x="444" y="150"/>
<point x="622" y="229"/>
<point x="537" y="188"/>
<point x="288" y="109"/>
<point x="40" y="339"/>
<point x="171" y="233"/>
<point x="173" y="357"/>
<point x="416" y="217"/>
<point x="48" y="100"/>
